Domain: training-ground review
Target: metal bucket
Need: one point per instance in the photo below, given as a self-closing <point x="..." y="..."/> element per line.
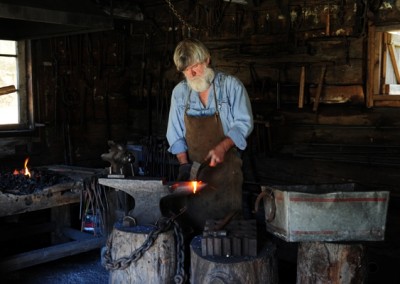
<point x="331" y="212"/>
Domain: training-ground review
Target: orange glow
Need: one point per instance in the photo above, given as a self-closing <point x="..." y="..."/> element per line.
<point x="194" y="183"/>
<point x="26" y="170"/>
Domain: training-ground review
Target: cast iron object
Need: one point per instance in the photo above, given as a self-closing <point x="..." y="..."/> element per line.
<point x="148" y="193"/>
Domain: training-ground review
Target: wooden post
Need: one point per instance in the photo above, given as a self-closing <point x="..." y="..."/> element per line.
<point x="302" y="84"/>
<point x="330" y="263"/>
<point x="156" y="265"/>
<point x="231" y="269"/>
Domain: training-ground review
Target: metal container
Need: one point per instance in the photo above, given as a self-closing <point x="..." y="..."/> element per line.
<point x="331" y="212"/>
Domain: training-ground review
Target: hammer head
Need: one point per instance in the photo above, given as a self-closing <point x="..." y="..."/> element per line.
<point x="194" y="170"/>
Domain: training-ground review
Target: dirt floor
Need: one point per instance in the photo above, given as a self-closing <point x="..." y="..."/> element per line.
<point x="83" y="268"/>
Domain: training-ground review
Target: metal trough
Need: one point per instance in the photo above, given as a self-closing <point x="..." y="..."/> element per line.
<point x="331" y="212"/>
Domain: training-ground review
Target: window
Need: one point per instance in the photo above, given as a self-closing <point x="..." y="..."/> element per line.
<point x="383" y="84"/>
<point x="16" y="111"/>
<point x="390" y="73"/>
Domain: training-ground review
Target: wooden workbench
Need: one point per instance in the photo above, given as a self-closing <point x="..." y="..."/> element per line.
<point x="57" y="199"/>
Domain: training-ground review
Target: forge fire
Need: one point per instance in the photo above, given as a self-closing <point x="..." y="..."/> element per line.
<point x="28" y="181"/>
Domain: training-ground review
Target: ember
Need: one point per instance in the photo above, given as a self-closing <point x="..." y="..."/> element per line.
<point x="20" y="182"/>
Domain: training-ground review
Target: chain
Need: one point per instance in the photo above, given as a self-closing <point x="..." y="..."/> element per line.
<point x="180" y="18"/>
<point x="180" y="276"/>
<point x="162" y="225"/>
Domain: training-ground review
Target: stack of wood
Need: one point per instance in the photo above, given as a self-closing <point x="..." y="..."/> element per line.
<point x="238" y="238"/>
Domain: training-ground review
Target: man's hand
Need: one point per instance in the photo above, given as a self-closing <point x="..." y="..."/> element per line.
<point x="184" y="172"/>
<point x="217" y="154"/>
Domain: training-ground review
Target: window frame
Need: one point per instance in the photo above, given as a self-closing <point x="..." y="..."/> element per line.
<point x="377" y="67"/>
<point x="25" y="93"/>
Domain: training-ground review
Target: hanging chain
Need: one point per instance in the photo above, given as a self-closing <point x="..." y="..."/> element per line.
<point x="180" y="276"/>
<point x="180" y="18"/>
<point x="162" y="225"/>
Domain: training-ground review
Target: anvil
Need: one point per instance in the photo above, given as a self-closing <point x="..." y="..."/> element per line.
<point x="148" y="193"/>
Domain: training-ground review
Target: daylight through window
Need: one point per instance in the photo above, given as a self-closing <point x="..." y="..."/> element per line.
<point x="9" y="102"/>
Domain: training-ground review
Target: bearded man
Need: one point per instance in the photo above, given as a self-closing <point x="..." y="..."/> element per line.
<point x="209" y="121"/>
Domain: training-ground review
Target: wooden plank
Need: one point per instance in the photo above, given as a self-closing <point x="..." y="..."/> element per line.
<point x="76" y="235"/>
<point x="39" y="256"/>
<point x="385" y="38"/>
<point x="386" y="98"/>
<point x="319" y="89"/>
<point x="373" y="65"/>
<point x="25" y="231"/>
<point x="387" y="103"/>
<point x="11" y="204"/>
<point x="302" y="84"/>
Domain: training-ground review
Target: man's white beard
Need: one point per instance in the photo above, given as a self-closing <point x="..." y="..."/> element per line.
<point x="202" y="83"/>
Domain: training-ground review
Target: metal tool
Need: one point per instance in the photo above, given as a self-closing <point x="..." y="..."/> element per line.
<point x="196" y="168"/>
<point x="119" y="157"/>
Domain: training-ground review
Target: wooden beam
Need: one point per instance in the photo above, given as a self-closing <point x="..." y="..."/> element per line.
<point x="302" y="84"/>
<point x="61" y="194"/>
<point x="386" y="98"/>
<point x="25" y="231"/>
<point x="39" y="256"/>
<point x="373" y="64"/>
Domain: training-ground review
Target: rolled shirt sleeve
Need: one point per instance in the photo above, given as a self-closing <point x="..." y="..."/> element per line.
<point x="239" y="119"/>
<point x="176" y="126"/>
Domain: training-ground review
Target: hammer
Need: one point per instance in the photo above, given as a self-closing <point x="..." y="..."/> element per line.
<point x="195" y="169"/>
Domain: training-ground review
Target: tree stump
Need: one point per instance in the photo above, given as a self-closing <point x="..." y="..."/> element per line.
<point x="156" y="265"/>
<point x="232" y="269"/>
<point x="330" y="263"/>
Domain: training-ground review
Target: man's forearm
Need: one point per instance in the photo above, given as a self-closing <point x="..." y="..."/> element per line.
<point x="182" y="158"/>
<point x="226" y="144"/>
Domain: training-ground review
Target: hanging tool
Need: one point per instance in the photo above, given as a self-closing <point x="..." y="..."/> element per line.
<point x="319" y="89"/>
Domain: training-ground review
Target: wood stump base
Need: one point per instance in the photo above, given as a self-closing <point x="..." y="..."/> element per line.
<point x="156" y="265"/>
<point x="331" y="263"/>
<point x="233" y="269"/>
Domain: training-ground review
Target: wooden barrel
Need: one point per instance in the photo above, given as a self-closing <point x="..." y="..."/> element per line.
<point x="330" y="263"/>
<point x="156" y="265"/>
<point x="232" y="269"/>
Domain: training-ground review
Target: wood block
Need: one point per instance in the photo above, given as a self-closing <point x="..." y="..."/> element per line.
<point x="238" y="269"/>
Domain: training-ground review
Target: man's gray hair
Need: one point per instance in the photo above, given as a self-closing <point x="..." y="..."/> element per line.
<point x="188" y="52"/>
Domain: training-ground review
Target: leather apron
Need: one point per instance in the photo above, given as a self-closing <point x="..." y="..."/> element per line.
<point x="223" y="193"/>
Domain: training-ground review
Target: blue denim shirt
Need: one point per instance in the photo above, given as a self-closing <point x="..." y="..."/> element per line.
<point x="233" y="105"/>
